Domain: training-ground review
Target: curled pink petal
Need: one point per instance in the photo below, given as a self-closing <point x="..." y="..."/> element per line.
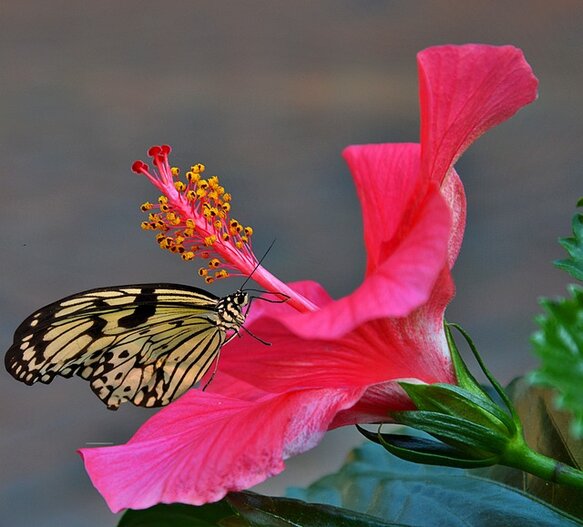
<point x="464" y="91"/>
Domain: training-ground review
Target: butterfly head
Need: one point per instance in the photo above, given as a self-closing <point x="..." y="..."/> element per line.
<point x="230" y="309"/>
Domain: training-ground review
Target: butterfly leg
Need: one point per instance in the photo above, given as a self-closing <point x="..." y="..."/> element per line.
<point x="236" y="334"/>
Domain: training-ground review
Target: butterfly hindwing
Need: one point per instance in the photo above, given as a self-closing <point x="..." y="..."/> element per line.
<point x="144" y="343"/>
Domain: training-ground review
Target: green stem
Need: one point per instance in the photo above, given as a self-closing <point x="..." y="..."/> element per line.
<point x="522" y="457"/>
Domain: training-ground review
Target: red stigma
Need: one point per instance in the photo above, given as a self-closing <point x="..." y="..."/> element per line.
<point x="139" y="167"/>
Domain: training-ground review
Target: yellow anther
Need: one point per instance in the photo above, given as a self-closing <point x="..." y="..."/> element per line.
<point x="164" y="207"/>
<point x="226" y="207"/>
<point x="162" y="200"/>
<point x="244" y="239"/>
<point x="188" y="255"/>
<point x="225" y="236"/>
<point x="239" y="244"/>
<point x="223" y="273"/>
<point x="190" y="223"/>
<point x="146" y="226"/>
<point x="173" y="218"/>
<point x="227" y="197"/>
<point x="210" y="240"/>
<point x="179" y="186"/>
<point x="203" y="271"/>
<point x="213" y="182"/>
<point x="218" y="224"/>
<point x="191" y="195"/>
<point x="144" y="207"/>
<point x="198" y="168"/>
<point x="203" y="183"/>
<point x="160" y="237"/>
<point x="233" y="224"/>
<point x="209" y="279"/>
<point x="153" y="216"/>
<point x="189" y="232"/>
<point x="179" y="239"/>
<point x="214" y="263"/>
<point x="213" y="194"/>
<point x="201" y="193"/>
<point x="193" y="177"/>
<point x="175" y="171"/>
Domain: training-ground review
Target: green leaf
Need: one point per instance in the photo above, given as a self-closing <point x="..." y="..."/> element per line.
<point x="264" y="511"/>
<point x="559" y="344"/>
<point x="382" y="485"/>
<point x="179" y="515"/>
<point x="574" y="246"/>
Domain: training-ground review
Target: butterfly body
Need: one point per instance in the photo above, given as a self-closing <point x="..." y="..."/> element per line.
<point x="145" y="343"/>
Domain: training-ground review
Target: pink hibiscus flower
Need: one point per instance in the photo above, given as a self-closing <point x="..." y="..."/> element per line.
<point x="332" y="362"/>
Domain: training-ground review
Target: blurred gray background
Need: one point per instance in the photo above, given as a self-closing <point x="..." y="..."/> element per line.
<point x="266" y="94"/>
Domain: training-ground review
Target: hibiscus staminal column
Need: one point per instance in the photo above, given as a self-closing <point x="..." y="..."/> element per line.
<point x="193" y="219"/>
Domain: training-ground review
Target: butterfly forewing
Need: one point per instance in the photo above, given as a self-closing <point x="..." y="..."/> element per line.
<point x="144" y="343"/>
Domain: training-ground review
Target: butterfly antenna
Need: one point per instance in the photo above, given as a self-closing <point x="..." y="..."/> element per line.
<point x="258" y="264"/>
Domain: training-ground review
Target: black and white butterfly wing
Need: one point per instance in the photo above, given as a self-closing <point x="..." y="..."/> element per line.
<point x="146" y="344"/>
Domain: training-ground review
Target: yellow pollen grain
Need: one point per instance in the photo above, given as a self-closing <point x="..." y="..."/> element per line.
<point x="144" y="207"/>
<point x="146" y="226"/>
<point x="248" y="231"/>
<point x="162" y="199"/>
<point x="179" y="186"/>
<point x="203" y="271"/>
<point x="214" y="263"/>
<point x="175" y="171"/>
<point x="227" y="197"/>
<point x="191" y="195"/>
<point x="209" y="279"/>
<point x="198" y="168"/>
<point x="188" y="255"/>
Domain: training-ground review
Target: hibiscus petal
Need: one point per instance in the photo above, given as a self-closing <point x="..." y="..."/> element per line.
<point x="375" y="405"/>
<point x="400" y="284"/>
<point x="204" y="445"/>
<point x="464" y="91"/>
<point x="386" y="178"/>
<point x="377" y="351"/>
<point x="453" y="192"/>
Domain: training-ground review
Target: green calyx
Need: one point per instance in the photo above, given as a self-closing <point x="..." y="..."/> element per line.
<point x="469" y="428"/>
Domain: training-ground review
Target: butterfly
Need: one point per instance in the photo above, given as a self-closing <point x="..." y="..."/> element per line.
<point x="145" y="343"/>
